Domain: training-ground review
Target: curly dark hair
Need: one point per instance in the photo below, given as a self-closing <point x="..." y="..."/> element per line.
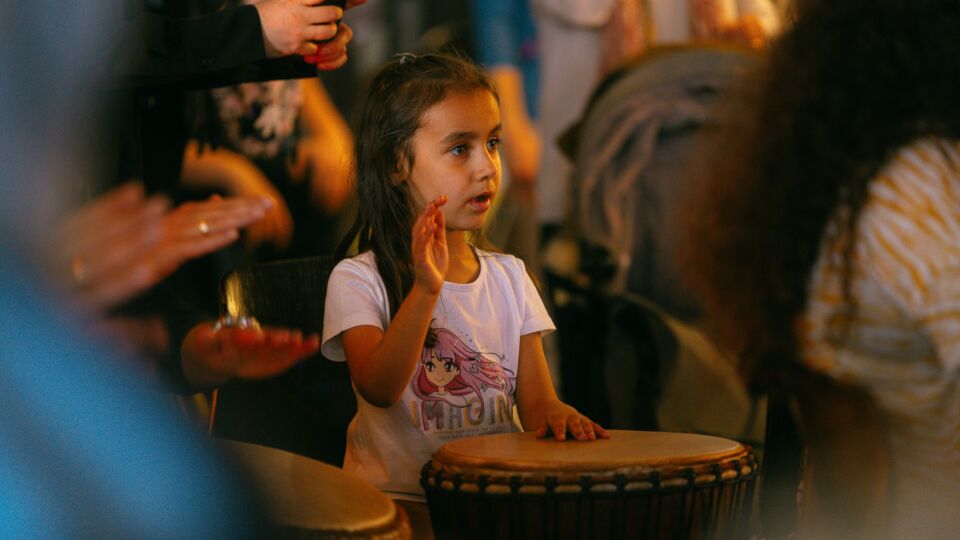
<point x="846" y="86"/>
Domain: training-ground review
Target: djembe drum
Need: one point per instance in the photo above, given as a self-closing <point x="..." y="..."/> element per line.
<point x="636" y="484"/>
<point x="306" y="498"/>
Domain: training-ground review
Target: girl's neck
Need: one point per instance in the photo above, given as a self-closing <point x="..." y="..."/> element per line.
<point x="464" y="264"/>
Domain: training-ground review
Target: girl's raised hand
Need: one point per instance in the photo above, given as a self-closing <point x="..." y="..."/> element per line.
<point x="560" y="418"/>
<point x="430" y="256"/>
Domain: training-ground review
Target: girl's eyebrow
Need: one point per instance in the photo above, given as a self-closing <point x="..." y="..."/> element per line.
<point x="459" y="136"/>
<point x="468" y="135"/>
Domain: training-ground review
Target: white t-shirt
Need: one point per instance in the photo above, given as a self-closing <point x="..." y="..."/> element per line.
<point x="463" y="386"/>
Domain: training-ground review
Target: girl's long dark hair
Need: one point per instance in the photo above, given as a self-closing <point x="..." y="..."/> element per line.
<point x="850" y="83"/>
<point x="399" y="95"/>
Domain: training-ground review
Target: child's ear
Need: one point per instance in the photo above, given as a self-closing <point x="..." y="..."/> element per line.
<point x="399" y="173"/>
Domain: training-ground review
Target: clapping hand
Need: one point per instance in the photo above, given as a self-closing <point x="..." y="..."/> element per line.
<point x="430" y="256"/>
<point x="125" y="242"/>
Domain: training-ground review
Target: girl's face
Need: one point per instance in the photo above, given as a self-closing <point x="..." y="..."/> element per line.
<point x="457" y="153"/>
<point x="440" y="371"/>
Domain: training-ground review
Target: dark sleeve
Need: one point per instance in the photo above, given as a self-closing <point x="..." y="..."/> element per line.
<point x="218" y="49"/>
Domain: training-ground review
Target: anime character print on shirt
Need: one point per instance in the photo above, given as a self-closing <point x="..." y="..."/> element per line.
<point x="460" y="389"/>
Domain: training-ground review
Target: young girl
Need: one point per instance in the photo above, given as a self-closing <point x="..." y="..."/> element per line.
<point x="412" y="312"/>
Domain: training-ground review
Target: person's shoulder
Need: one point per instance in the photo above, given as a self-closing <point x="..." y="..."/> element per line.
<point x="921" y="177"/>
<point x="503" y="263"/>
<point x="909" y="228"/>
<point x="365" y="263"/>
<point x="499" y="258"/>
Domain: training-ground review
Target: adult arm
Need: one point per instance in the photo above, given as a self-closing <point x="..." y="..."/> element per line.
<point x="224" y="171"/>
<point x="228" y="47"/>
<point x="498" y="37"/>
<point x="325" y="151"/>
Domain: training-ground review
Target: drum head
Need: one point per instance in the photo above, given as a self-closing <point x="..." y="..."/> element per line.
<point x="623" y="450"/>
<point x="310" y="495"/>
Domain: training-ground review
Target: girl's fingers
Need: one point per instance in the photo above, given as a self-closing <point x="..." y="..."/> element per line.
<point x="576" y="428"/>
<point x="559" y="427"/>
<point x="542" y="431"/>
<point x="423" y="218"/>
<point x="588" y="428"/>
<point x="440" y="233"/>
<point x="422" y="227"/>
<point x="602" y="433"/>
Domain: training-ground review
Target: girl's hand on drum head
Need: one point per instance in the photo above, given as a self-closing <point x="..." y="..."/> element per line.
<point x="561" y="418"/>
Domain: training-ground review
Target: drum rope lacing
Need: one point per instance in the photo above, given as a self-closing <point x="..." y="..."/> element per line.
<point x="636" y="479"/>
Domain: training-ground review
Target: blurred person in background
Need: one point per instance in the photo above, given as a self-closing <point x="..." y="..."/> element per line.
<point x="827" y="238"/>
<point x="165" y="50"/>
<point x="582" y="41"/>
<point x="283" y="140"/>
<point x="506" y="45"/>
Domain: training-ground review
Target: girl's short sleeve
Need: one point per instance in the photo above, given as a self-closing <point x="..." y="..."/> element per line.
<point x="535" y="317"/>
<point x="355" y="297"/>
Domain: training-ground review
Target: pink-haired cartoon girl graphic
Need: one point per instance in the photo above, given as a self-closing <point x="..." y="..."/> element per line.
<point x="452" y="372"/>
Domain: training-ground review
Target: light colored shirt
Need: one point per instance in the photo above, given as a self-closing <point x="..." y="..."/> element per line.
<point x="672" y="23"/>
<point x="464" y="385"/>
<point x="903" y="339"/>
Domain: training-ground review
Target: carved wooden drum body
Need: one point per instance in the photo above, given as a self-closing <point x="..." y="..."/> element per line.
<point x="634" y="485"/>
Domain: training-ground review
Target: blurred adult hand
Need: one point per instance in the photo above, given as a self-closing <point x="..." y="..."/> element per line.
<point x="332" y="55"/>
<point x="211" y="357"/>
<point x="125" y="242"/>
<point x="292" y="26"/>
<point x="232" y="173"/>
<point x="746" y="31"/>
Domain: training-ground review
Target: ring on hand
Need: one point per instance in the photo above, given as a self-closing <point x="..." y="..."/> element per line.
<point x="78" y="269"/>
<point x="203" y="227"/>
<point x="229" y="321"/>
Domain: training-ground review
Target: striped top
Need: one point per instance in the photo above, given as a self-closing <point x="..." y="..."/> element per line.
<point x="902" y="340"/>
